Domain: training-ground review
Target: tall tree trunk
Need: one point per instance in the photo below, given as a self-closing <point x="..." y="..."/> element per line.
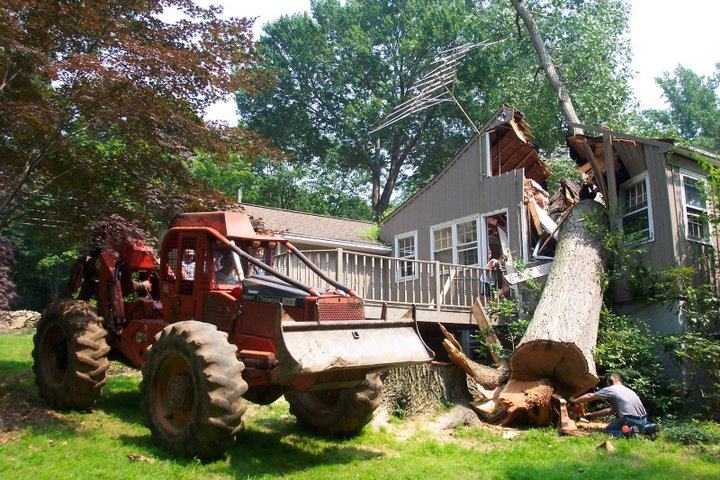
<point x="564" y="99"/>
<point x="560" y="340"/>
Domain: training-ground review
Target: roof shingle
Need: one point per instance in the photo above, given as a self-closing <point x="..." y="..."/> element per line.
<point x="312" y="225"/>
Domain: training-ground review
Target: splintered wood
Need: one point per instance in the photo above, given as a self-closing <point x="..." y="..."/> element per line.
<point x="486" y="377"/>
<point x="483" y="321"/>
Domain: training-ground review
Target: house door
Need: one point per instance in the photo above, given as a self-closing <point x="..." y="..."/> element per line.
<point x="495" y="240"/>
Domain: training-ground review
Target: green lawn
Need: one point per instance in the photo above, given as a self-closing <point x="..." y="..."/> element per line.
<point x="97" y="445"/>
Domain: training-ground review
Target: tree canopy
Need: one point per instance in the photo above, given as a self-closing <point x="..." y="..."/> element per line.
<point x="342" y="67"/>
<point x="694" y="109"/>
<point x="101" y="104"/>
<point x="101" y="108"/>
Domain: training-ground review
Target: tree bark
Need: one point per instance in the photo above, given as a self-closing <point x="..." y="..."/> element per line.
<point x="564" y="99"/>
<point x="560" y="340"/>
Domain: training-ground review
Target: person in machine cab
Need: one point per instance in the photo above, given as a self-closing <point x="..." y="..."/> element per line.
<point x="630" y="414"/>
<point x="225" y="271"/>
<point x="188" y="265"/>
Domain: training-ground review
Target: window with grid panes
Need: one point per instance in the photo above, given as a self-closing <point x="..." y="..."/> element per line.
<point x="405" y="249"/>
<point x="443" y="245"/>
<point x="696" y="221"/>
<point x="467" y="244"/>
<point x="636" y="220"/>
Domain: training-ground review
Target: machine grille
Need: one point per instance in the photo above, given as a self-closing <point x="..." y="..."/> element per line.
<point x="340" y="309"/>
<point x="217" y="311"/>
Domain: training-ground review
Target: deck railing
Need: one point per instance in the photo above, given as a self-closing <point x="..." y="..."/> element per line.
<point x="381" y="279"/>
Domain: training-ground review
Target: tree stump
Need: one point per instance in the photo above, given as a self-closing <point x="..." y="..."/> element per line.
<point x="423" y="388"/>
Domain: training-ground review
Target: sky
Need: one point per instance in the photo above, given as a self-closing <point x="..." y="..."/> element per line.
<point x="663" y="34"/>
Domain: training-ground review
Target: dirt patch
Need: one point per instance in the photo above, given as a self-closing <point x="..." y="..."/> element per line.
<point x="20" y="409"/>
<point x="20" y="321"/>
<point x="442" y="427"/>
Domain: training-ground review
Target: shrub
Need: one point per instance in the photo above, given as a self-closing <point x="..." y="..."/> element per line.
<point x="626" y="345"/>
<point x="692" y="432"/>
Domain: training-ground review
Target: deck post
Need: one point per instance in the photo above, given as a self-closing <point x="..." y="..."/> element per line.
<point x="339" y="273"/>
<point x="438" y="286"/>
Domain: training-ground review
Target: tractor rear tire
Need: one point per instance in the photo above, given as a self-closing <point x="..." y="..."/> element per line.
<point x="342" y="412"/>
<point x="70" y="355"/>
<point x="192" y="390"/>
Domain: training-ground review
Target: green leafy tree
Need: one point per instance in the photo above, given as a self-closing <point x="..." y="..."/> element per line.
<point x="342" y="67"/>
<point x="288" y="185"/>
<point x="694" y="109"/>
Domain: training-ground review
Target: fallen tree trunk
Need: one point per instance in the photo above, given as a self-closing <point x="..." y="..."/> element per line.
<point x="559" y="342"/>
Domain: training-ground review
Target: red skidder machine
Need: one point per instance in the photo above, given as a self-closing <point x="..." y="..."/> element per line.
<point x="213" y="326"/>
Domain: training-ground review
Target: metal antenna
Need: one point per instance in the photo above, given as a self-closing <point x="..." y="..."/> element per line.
<point x="434" y="87"/>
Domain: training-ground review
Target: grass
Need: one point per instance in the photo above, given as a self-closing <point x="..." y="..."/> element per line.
<point x="97" y="445"/>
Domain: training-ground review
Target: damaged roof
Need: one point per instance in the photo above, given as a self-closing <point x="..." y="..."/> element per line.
<point x="511" y="148"/>
<point x="511" y="145"/>
<point x="628" y="151"/>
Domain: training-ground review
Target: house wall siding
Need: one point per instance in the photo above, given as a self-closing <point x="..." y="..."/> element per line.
<point x="670" y="246"/>
<point x="687" y="252"/>
<point x="462" y="190"/>
<point x="660" y="253"/>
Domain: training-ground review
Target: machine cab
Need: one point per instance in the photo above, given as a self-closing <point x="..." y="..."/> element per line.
<point x="201" y="277"/>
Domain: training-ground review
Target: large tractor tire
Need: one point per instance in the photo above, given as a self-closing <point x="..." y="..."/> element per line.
<point x="70" y="355"/>
<point x="342" y="412"/>
<point x="192" y="390"/>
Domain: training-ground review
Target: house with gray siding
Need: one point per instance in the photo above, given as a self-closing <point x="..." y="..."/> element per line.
<point x="431" y="257"/>
<point x="474" y="209"/>
<point x="656" y="187"/>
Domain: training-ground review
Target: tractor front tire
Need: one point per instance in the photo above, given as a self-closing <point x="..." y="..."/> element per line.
<point x="341" y="412"/>
<point x="192" y="390"/>
<point x="70" y="355"/>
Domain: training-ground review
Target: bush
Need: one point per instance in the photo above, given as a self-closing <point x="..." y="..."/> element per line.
<point x="702" y="356"/>
<point x="626" y="345"/>
<point x="692" y="432"/>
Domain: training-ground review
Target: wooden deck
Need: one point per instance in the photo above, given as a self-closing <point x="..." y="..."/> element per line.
<point x="439" y="291"/>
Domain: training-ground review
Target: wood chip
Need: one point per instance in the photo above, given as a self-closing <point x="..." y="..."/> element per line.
<point x="607" y="446"/>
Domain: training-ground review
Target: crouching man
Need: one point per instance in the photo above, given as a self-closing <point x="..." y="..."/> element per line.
<point x="625" y="404"/>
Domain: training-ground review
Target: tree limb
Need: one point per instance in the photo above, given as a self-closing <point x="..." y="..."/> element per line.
<point x="564" y="99"/>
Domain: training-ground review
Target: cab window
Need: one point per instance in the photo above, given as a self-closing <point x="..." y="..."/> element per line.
<point x="226" y="265"/>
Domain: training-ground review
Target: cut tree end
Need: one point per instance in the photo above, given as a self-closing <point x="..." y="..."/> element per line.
<point x="561" y="362"/>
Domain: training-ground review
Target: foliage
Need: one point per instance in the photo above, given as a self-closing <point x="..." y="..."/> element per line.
<point x="697" y="356"/>
<point x="75" y="143"/>
<point x="504" y="307"/>
<point x="289" y="185"/>
<point x="372" y="232"/>
<point x="692" y="432"/>
<point x="694" y="113"/>
<point x="561" y="167"/>
<point x="627" y="346"/>
<point x="344" y="66"/>
<point x="101" y="109"/>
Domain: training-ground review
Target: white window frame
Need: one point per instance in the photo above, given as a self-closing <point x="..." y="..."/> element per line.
<point x="706" y="210"/>
<point x="483" y="232"/>
<point x="453" y="237"/>
<point x="402" y="236"/>
<point x="641" y="177"/>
